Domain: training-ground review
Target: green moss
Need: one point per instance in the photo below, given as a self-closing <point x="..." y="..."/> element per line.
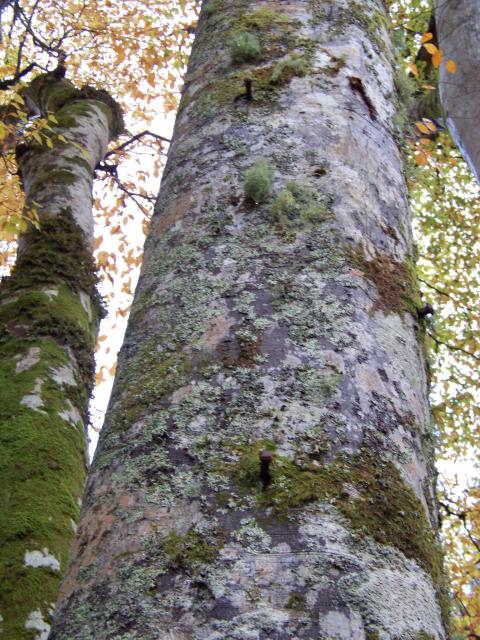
<point x="191" y="549"/>
<point x="42" y="471"/>
<point x="396" y="282"/>
<point x="366" y="489"/>
<point x="405" y="90"/>
<point x="296" y="65"/>
<point x="277" y="33"/>
<point x="151" y="377"/>
<point x="109" y="105"/>
<point x="50" y="93"/>
<point x="269" y="25"/>
<point x="298" y="205"/>
<point x="244" y="47"/>
<point x="258" y="181"/>
<point x="55" y="177"/>
<point x="65" y="100"/>
<point x="227" y="90"/>
<point x="35" y="314"/>
<point x="297" y="601"/>
<point x="369" y="19"/>
<point x="55" y="254"/>
<point x="424" y="636"/>
<point x="212" y="7"/>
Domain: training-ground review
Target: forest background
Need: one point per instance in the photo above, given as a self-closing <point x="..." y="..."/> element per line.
<point x="142" y="66"/>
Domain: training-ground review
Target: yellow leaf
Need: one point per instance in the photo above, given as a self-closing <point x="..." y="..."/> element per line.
<point x="413" y="68"/>
<point x="421" y="158"/>
<point x="422" y="127"/>
<point x="431" y="48"/>
<point x="437" y="59"/>
<point x="427" y="36"/>
<point x="120" y="56"/>
<point x="430" y="124"/>
<point x="451" y="66"/>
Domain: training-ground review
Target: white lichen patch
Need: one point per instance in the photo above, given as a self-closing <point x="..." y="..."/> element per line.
<point x="71" y="414"/>
<point x="64" y="375"/>
<point x="387" y="590"/>
<point x="34" y="400"/>
<point x="252" y="537"/>
<point x="86" y="304"/>
<point x="42" y="558"/>
<point x="50" y="293"/>
<point x="36" y="622"/>
<point x="28" y="361"/>
<point x="336" y="625"/>
<point x="406" y="371"/>
<point x="398" y="599"/>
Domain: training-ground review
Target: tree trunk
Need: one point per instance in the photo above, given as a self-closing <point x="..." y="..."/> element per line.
<point x="458" y="27"/>
<point x="266" y="466"/>
<point x="49" y="316"/>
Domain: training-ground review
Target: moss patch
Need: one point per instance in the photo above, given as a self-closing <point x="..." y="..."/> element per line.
<point x="244" y="47"/>
<point x="275" y="31"/>
<point x="192" y="548"/>
<point x="42" y="471"/>
<point x="298" y="205"/>
<point x="33" y="314"/>
<point x="296" y="65"/>
<point x="55" y="254"/>
<point x="367" y="490"/>
<point x="60" y="96"/>
<point x="396" y="282"/>
<point x="258" y="181"/>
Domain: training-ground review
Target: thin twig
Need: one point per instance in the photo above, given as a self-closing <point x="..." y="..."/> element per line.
<point x="453" y="347"/>
<point x="134" y="139"/>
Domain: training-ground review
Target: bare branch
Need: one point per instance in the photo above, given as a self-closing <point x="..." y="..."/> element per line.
<point x="134" y="139"/>
<point x="6" y="84"/>
<point x="453" y="347"/>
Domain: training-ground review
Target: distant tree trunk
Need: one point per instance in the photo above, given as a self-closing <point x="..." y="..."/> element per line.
<point x="49" y="314"/>
<point x="266" y="466"/>
<point x="458" y="27"/>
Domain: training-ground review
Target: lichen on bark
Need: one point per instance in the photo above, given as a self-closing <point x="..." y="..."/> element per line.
<point x="255" y="328"/>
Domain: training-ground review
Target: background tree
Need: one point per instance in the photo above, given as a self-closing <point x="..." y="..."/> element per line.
<point x="266" y="467"/>
<point x="49" y="316"/>
<point x="53" y="136"/>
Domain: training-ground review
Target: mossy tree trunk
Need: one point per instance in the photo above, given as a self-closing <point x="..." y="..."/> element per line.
<point x="49" y="314"/>
<point x="266" y="466"/>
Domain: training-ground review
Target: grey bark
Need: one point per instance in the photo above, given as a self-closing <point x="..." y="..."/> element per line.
<point x="458" y="26"/>
<point x="265" y="467"/>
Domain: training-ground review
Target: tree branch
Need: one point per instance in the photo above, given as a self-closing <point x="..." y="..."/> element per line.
<point x="453" y="347"/>
<point x="134" y="139"/>
<point x="6" y="84"/>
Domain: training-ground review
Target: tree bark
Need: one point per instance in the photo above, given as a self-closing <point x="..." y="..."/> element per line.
<point x="265" y="470"/>
<point x="458" y="27"/>
<point x="49" y="314"/>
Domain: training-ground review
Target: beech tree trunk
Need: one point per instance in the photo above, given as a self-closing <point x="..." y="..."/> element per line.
<point x="49" y="314"/>
<point x="265" y="470"/>
<point x="458" y="27"/>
